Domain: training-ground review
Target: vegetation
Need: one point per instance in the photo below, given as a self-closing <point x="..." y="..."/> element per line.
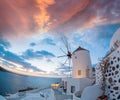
<point x="104" y="64"/>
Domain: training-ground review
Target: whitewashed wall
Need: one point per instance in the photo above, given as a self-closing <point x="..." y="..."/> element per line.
<point x="79" y="83"/>
<point x="112" y="76"/>
<point x="81" y="61"/>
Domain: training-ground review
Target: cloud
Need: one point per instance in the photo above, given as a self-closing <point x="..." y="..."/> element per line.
<point x="6" y="63"/>
<point x="106" y="31"/>
<point x="32" y="44"/>
<point x="45" y="40"/>
<point x="71" y="15"/>
<point x="31" y="54"/>
<point x="9" y="56"/>
<point x="94" y="38"/>
<point x="4" y="43"/>
<point x="48" y="41"/>
<point x="100" y="35"/>
<point x="49" y="60"/>
<point x="63" y="69"/>
<point x="22" y="17"/>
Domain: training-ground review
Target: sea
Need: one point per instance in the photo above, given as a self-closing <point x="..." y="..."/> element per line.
<point x="11" y="83"/>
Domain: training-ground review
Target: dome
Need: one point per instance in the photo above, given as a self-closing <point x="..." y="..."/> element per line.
<point x="116" y="37"/>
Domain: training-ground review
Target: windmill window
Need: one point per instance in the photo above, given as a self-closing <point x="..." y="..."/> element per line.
<point x="79" y="72"/>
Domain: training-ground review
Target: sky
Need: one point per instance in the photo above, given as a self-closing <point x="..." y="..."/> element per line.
<point x="31" y="31"/>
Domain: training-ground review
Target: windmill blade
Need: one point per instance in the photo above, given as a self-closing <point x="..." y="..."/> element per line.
<point x="65" y="61"/>
<point x="63" y="51"/>
<point x="67" y="45"/>
<point x="70" y="48"/>
<point x="70" y="65"/>
<point x="68" y="54"/>
<point x="69" y="62"/>
<point x="65" y="42"/>
<point x="62" y="56"/>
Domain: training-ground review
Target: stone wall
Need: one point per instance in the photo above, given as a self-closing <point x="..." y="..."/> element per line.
<point x="112" y="75"/>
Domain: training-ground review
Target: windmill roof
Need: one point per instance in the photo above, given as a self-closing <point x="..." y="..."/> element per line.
<point x="80" y="48"/>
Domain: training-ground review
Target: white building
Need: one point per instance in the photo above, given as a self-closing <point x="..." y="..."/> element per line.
<point x="81" y="63"/>
<point x="115" y="41"/>
<point x="112" y="74"/>
<point x="81" y="74"/>
<point x="80" y="84"/>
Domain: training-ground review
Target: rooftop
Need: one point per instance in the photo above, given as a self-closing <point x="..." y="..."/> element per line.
<point x="80" y="48"/>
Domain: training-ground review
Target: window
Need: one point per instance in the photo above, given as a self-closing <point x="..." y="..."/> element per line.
<point x="79" y="72"/>
<point x="65" y="87"/>
<point x="72" y="89"/>
<point x="62" y="84"/>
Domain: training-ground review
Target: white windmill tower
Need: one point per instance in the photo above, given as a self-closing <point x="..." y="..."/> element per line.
<point x="81" y="62"/>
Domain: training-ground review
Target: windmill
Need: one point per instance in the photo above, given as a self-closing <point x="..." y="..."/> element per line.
<point x="67" y="53"/>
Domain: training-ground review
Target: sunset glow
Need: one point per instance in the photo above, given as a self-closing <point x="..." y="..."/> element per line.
<point x="31" y="32"/>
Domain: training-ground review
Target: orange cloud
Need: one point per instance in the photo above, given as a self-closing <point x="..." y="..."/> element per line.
<point x="28" y="17"/>
<point x="43" y="18"/>
<point x="17" y="17"/>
